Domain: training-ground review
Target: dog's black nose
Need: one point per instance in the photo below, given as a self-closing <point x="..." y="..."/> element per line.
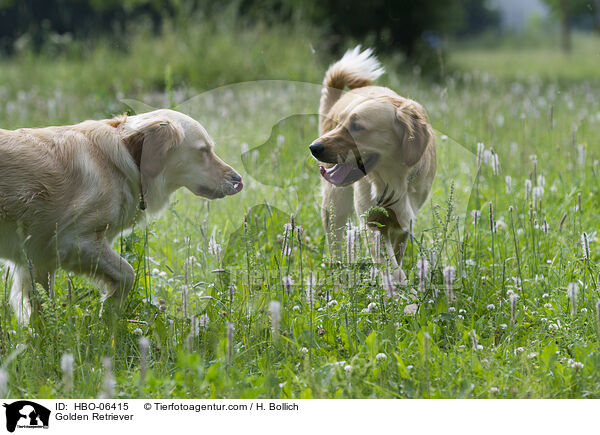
<point x="316" y="149"/>
<point x="235" y="177"/>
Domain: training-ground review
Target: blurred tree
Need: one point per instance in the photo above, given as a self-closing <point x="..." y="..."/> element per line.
<point x="566" y="10"/>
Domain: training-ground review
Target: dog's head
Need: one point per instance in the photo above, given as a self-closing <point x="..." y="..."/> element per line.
<point x="171" y="144"/>
<point x="370" y="133"/>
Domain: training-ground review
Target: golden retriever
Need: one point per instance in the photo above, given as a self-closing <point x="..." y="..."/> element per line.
<point x="379" y="157"/>
<point x="67" y="192"/>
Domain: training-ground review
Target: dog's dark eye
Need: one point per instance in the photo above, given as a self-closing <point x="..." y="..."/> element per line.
<point x="355" y="126"/>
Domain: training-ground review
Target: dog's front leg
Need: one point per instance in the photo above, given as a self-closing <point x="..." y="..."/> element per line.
<point x="97" y="259"/>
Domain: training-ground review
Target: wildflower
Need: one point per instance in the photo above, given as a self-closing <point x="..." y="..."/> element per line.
<point x="531" y="355"/>
<point x="480" y="152"/>
<point x="541" y="180"/>
<point x="351" y="244"/>
<point x="495" y="162"/>
<point x="381" y="357"/>
<point x="494" y="390"/>
<point x="303" y="350"/>
<point x="230" y="341"/>
<point x="203" y="320"/>
<point x="461" y="311"/>
<point x="155" y="272"/>
<point x="585" y="246"/>
<point x="537" y="192"/>
<point x="508" y="183"/>
<point x="296" y="308"/>
<point x="479" y="347"/>
<point x="572" y="290"/>
<point x="332" y="303"/>
<point x="3" y="383"/>
<point x="214" y="248"/>
<point x="372" y="307"/>
<point x="581" y="155"/>
<point x="138" y="331"/>
<point x="545" y="227"/>
<point x="584" y="310"/>
<point x="288" y="233"/>
<point x="470" y="262"/>
<point x="108" y="386"/>
<point x="310" y="288"/>
<point x="66" y="366"/>
<point x="348" y="368"/>
<point x="553" y="327"/>
<point x="575" y="364"/>
<point x="287" y="283"/>
<point x="545" y="295"/>
<point x="513" y="302"/>
<point x="461" y="317"/>
<point x="520" y="349"/>
<point x="449" y="273"/>
<point x="275" y="310"/>
<point x="476" y="215"/>
<point x="422" y="267"/>
<point x="491" y="307"/>
<point x="500" y="224"/>
<point x="451" y="309"/>
<point x="527" y="188"/>
<point x="491" y="217"/>
<point x="503" y="326"/>
<point x="547" y="305"/>
<point x="144" y="346"/>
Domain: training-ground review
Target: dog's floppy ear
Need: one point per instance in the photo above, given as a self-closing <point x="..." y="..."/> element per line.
<point x="149" y="145"/>
<point x="413" y="132"/>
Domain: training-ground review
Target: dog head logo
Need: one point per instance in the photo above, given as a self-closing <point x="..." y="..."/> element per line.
<point x="26" y="414"/>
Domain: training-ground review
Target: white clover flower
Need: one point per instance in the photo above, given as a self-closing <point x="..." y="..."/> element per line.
<point x="372" y="307"/>
<point x="461" y="317"/>
<point x="545" y="295"/>
<point x="303" y="350"/>
<point x="155" y="272"/>
<point x="163" y="274"/>
<point x="494" y="390"/>
<point x="296" y="308"/>
<point x="381" y="357"/>
<point x="531" y="354"/>
<point x="520" y="349"/>
<point x="348" y="368"/>
<point x="461" y="311"/>
<point x="553" y="327"/>
<point x="451" y="309"/>
<point x="138" y="331"/>
<point x="491" y="307"/>
<point x="332" y="303"/>
<point x="503" y="326"/>
<point x="479" y="347"/>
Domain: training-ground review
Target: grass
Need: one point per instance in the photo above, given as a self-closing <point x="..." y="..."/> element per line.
<point x="337" y="332"/>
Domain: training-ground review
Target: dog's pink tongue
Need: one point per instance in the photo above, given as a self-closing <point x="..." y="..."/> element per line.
<point x="337" y="173"/>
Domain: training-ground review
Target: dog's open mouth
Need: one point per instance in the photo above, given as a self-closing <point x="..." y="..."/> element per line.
<point x="343" y="174"/>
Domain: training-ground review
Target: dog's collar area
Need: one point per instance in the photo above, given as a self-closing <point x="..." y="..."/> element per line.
<point x="136" y="154"/>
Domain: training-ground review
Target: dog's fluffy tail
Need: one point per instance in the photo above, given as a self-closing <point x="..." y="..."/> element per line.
<point x="354" y="70"/>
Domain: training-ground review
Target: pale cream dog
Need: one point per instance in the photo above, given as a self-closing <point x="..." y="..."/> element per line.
<point x="67" y="192"/>
<point x="379" y="155"/>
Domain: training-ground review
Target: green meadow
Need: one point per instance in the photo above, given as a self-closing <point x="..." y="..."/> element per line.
<point x="237" y="298"/>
